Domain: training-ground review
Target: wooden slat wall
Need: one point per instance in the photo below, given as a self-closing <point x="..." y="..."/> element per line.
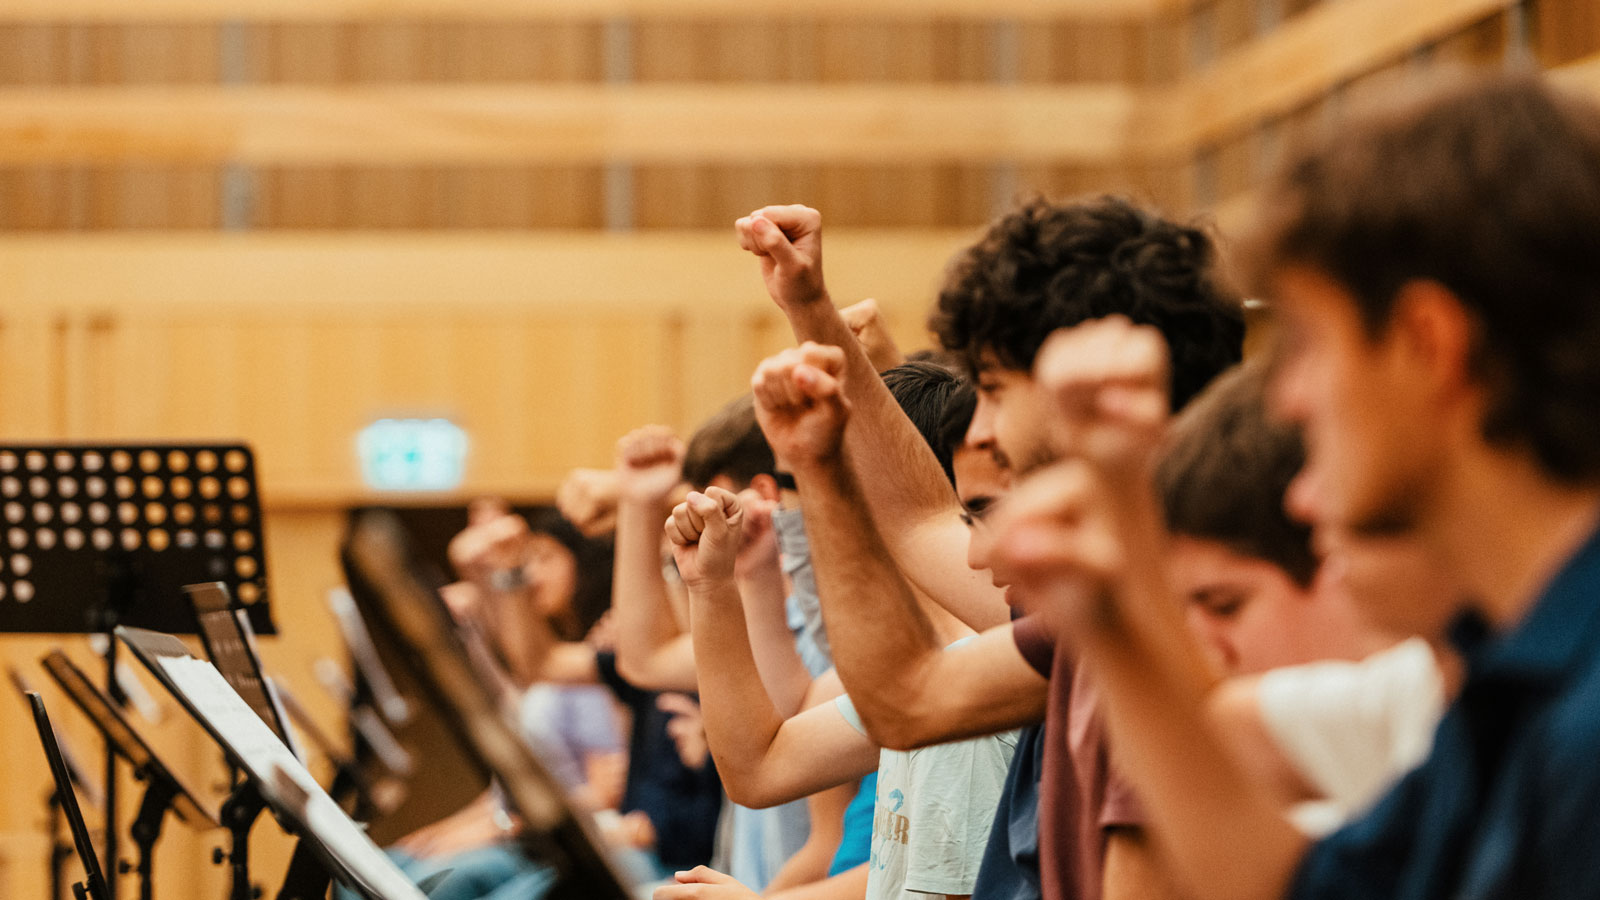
<point x="548" y="345"/>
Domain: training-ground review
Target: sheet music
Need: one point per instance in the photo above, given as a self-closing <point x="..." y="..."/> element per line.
<point x="271" y="763"/>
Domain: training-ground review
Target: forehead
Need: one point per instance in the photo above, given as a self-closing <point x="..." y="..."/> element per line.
<point x="1197" y="563"/>
<point x="987" y="364"/>
<point x="978" y="473"/>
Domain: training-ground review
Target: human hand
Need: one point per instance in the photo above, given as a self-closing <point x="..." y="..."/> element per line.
<point x="686" y="727"/>
<point x="493" y="549"/>
<point x="1109" y="382"/>
<point x="800" y="403"/>
<point x="1057" y="545"/>
<point x="758" y="546"/>
<point x="703" y="883"/>
<point x="788" y="241"/>
<point x="705" y="532"/>
<point x="588" y="499"/>
<point x="872" y="333"/>
<point x="649" y="464"/>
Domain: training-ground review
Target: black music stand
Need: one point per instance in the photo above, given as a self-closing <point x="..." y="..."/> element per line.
<point x="93" y="536"/>
<point x="555" y="831"/>
<point x="329" y="844"/>
<point x="93" y="887"/>
<point x="81" y="783"/>
<point x="163" y="789"/>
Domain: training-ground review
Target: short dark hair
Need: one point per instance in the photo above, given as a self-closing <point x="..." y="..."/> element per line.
<point x="729" y="443"/>
<point x="1225" y="468"/>
<point x="959" y="409"/>
<point x="1048" y="266"/>
<point x="1488" y="185"/>
<point x="923" y="390"/>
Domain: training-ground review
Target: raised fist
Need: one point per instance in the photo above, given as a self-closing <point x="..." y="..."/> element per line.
<point x="705" y="531"/>
<point x="649" y="464"/>
<point x="788" y="241"/>
<point x="758" y="546"/>
<point x="1108" y="380"/>
<point x="1056" y="543"/>
<point x="588" y="499"/>
<point x="493" y="550"/>
<point x="800" y="403"/>
<point x="872" y="333"/>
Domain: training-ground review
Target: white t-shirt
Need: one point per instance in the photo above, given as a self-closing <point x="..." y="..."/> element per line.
<point x="1353" y="728"/>
<point x="935" y="808"/>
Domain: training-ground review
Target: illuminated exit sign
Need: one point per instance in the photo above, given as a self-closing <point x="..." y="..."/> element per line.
<point x="412" y="454"/>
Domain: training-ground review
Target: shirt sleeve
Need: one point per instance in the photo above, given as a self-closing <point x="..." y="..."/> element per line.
<point x="1352" y="729"/>
<point x="955" y="791"/>
<point x="605" y="663"/>
<point x="1035" y="642"/>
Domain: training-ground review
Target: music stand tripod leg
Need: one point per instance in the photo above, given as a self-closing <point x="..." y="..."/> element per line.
<point x="158" y="796"/>
<point x="239" y="814"/>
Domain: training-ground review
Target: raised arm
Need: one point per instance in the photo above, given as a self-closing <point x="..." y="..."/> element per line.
<point x="904" y="487"/>
<point x="652" y="651"/>
<point x="1085" y="540"/>
<point x="890" y="653"/>
<point x="764" y="758"/>
<point x="759" y="577"/>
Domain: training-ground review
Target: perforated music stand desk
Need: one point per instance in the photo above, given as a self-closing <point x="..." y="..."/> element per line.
<point x="555" y="832"/>
<point x="283" y="783"/>
<point x="94" y="886"/>
<point x="87" y="526"/>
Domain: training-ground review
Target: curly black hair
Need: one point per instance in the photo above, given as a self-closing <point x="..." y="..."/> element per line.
<point x="1051" y="265"/>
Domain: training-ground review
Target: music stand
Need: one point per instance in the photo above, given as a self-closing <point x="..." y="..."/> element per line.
<point x="329" y="845"/>
<point x="162" y="787"/>
<point x="81" y="782"/>
<point x="95" y="535"/>
<point x="93" y="887"/>
<point x="556" y="832"/>
<point x="231" y="644"/>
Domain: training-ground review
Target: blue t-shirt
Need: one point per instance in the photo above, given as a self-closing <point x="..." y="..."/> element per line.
<point x="682" y="803"/>
<point x="855" y="842"/>
<point x="1507" y="805"/>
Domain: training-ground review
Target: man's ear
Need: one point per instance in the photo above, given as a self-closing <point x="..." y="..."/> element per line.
<point x="766" y="486"/>
<point x="1436" y="333"/>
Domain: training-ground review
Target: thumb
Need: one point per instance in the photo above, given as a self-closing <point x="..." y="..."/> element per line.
<point x="703" y="875"/>
<point x="771" y="240"/>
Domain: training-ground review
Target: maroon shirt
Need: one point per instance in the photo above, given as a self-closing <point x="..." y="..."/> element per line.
<point x="1080" y="795"/>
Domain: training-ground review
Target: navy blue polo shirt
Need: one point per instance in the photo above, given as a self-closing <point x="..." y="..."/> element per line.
<point x="1507" y="805"/>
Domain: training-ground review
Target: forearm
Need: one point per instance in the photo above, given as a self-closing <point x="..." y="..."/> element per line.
<point x="741" y="721"/>
<point x="904" y="482"/>
<point x="782" y="672"/>
<point x="1219" y="829"/>
<point x="644" y="620"/>
<point x="884" y="644"/>
<point x="851" y="885"/>
<point x="520" y="634"/>
<point x="810" y="863"/>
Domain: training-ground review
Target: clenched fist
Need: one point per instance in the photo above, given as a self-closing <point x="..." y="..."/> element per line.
<point x="800" y="403"/>
<point x="705" y="531"/>
<point x="788" y="241"/>
<point x="649" y="464"/>
<point x="1108" y="380"/>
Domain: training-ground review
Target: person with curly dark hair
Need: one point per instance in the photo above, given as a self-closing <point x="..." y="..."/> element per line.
<point x="881" y="511"/>
<point x="1048" y="266"/>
